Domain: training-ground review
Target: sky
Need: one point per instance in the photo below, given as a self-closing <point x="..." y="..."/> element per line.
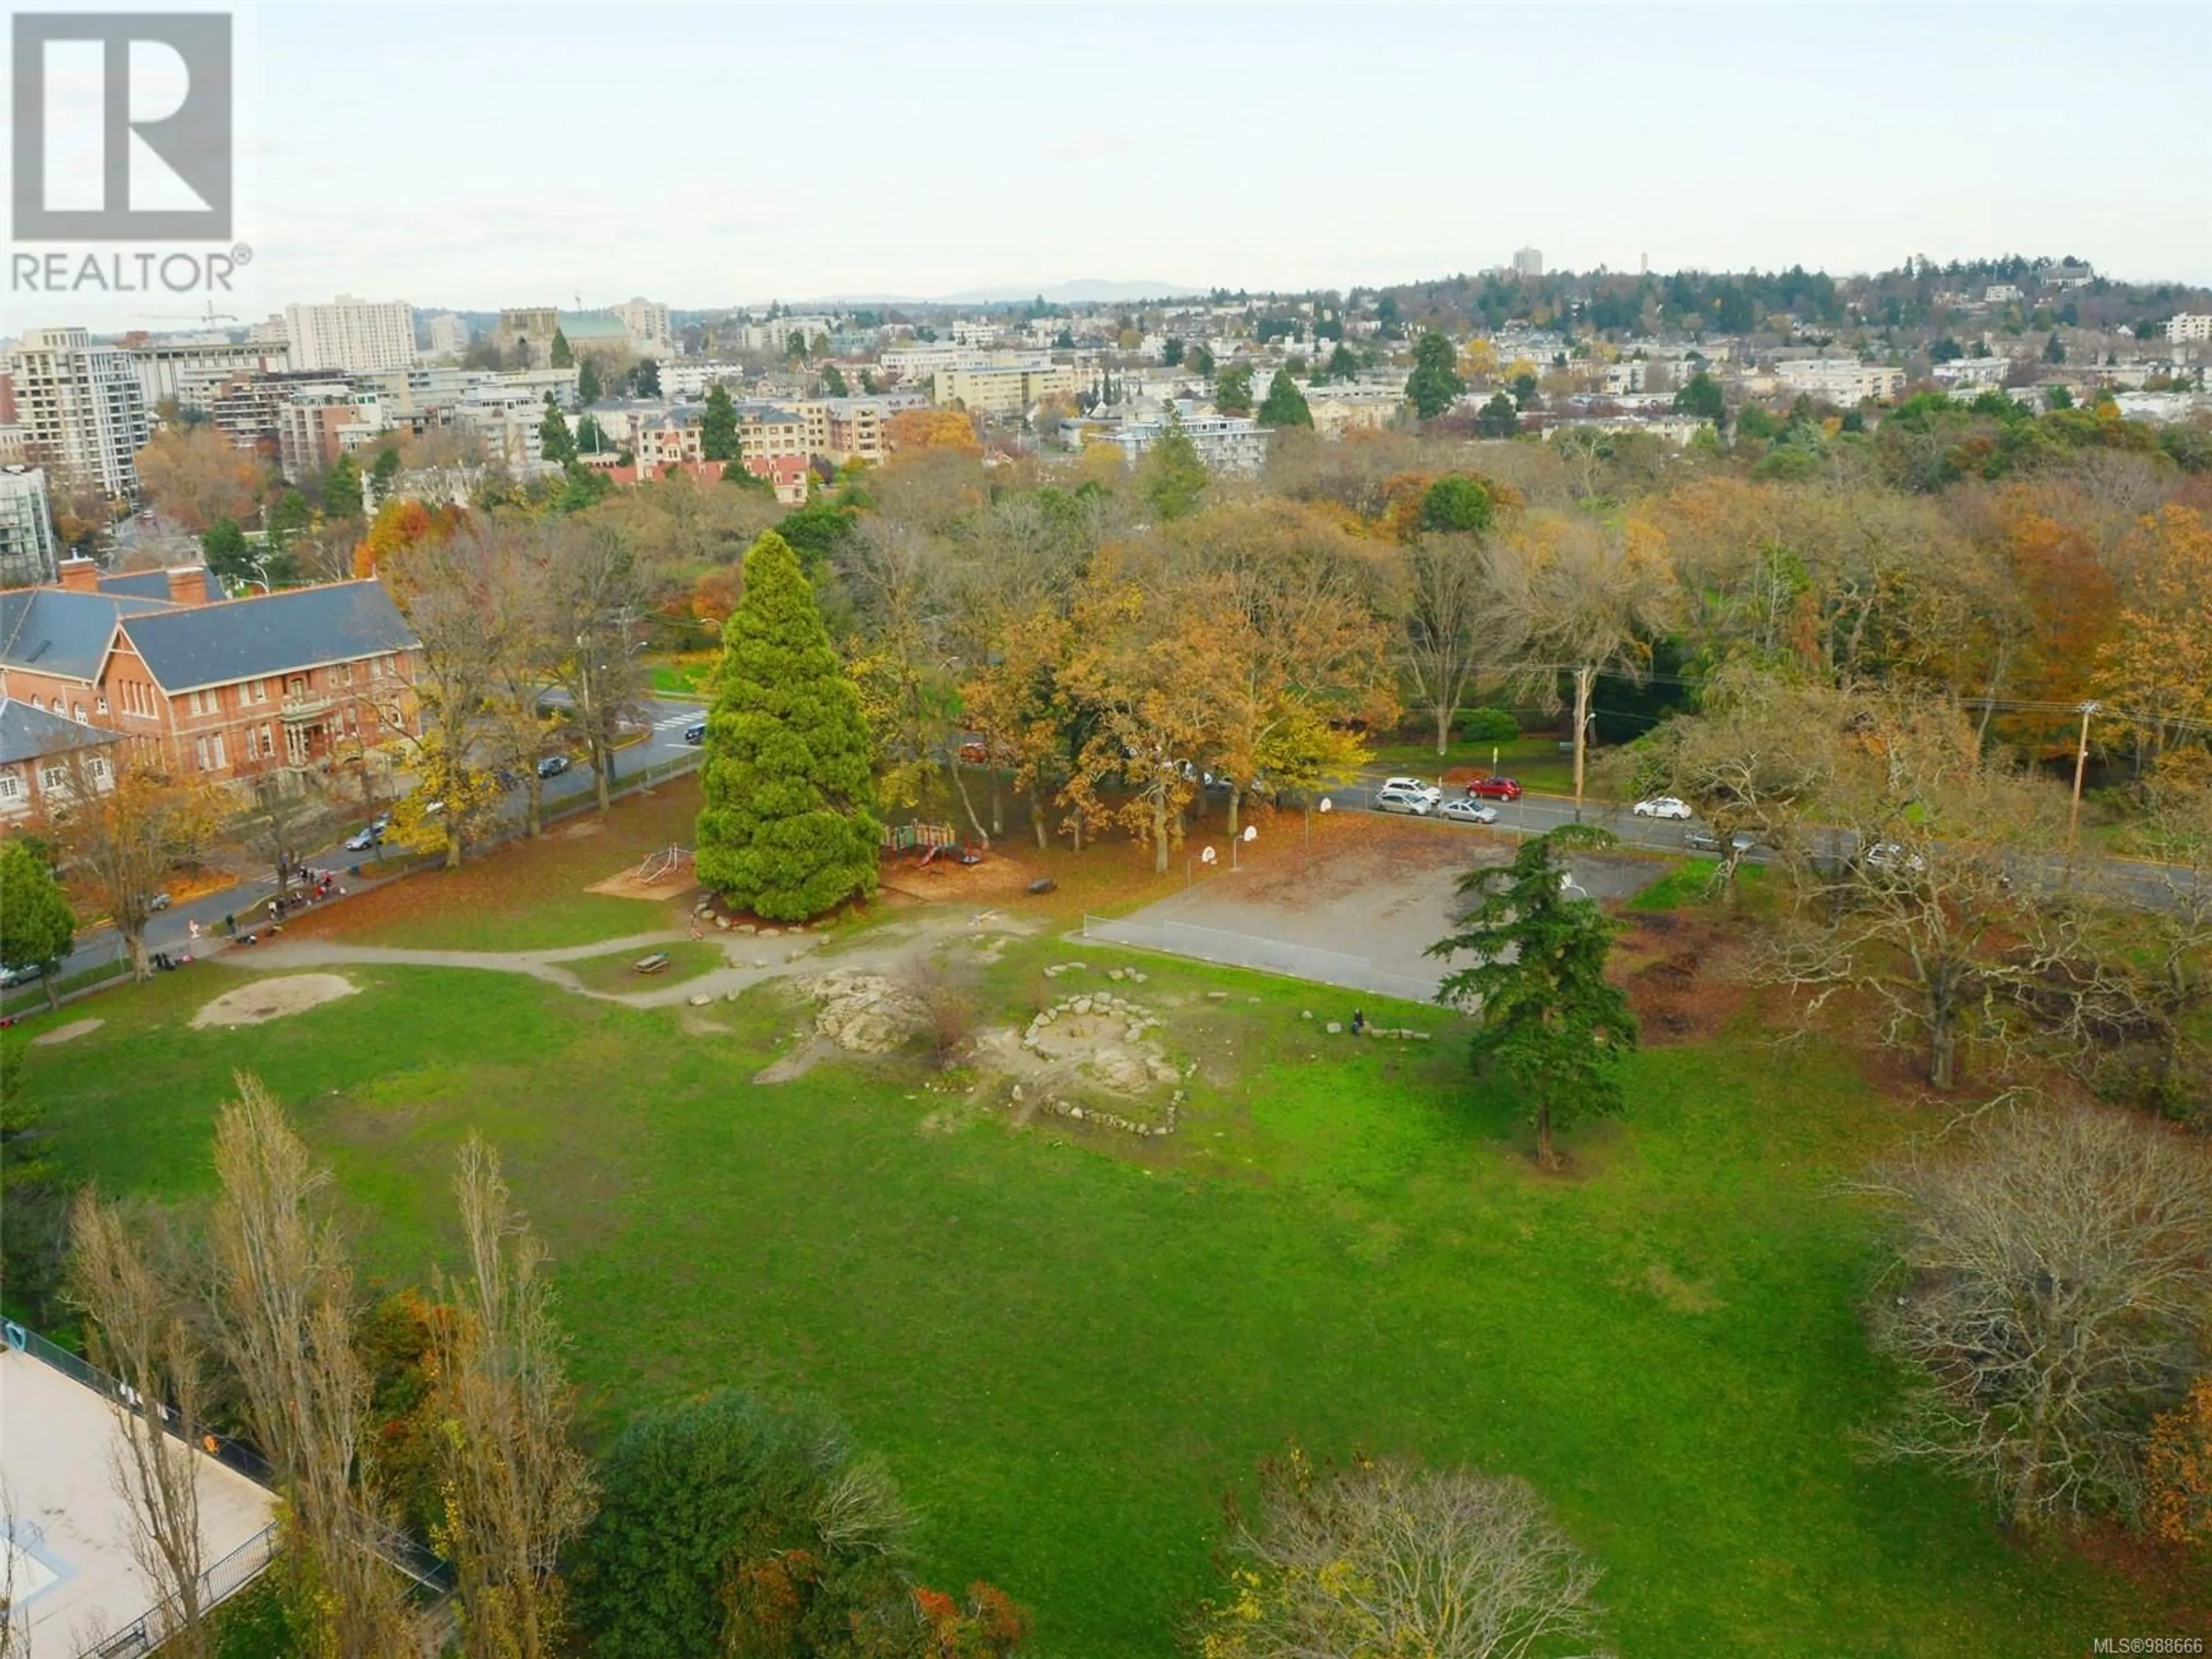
<point x="481" y="156"/>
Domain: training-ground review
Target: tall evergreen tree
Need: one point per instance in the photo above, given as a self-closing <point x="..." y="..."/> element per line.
<point x="555" y="441"/>
<point x="37" y="927"/>
<point x="341" y="492"/>
<point x="1285" y="404"/>
<point x="1435" y="382"/>
<point x="1342" y="365"/>
<point x="1553" y="1025"/>
<point x="718" y="426"/>
<point x="588" y="387"/>
<point x="560" y="355"/>
<point x="1172" y="476"/>
<point x="789" y="827"/>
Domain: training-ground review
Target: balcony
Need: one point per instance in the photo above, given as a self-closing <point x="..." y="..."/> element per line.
<point x="298" y="711"/>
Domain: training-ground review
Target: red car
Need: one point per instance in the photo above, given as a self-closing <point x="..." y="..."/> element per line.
<point x="1493" y="789"/>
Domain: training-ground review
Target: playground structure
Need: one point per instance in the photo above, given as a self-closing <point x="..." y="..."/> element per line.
<point x="663" y="863"/>
<point x="931" y="837"/>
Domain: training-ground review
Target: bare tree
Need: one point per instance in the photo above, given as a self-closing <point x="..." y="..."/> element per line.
<point x="2053" y="1279"/>
<point x="518" y="628"/>
<point x="596" y="602"/>
<point x="1385" y="1558"/>
<point x="517" y="1488"/>
<point x="148" y="1344"/>
<point x="282" y="1304"/>
<point x="1453" y="626"/>
<point x="444" y="586"/>
<point x="1585" y="598"/>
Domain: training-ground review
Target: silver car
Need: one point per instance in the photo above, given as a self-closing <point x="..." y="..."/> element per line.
<point x="1390" y="799"/>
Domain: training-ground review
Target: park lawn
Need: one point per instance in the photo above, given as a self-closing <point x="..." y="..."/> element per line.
<point x="681" y="676"/>
<point x="1070" y="1353"/>
<point x="617" y="971"/>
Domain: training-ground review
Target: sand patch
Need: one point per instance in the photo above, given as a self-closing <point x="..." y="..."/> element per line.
<point x="583" y="826"/>
<point x="76" y="1028"/>
<point x="273" y="999"/>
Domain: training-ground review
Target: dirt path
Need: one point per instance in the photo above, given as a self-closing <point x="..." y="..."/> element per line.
<point x="748" y="962"/>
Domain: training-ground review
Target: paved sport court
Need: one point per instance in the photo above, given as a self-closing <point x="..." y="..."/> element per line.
<point x="75" y="1583"/>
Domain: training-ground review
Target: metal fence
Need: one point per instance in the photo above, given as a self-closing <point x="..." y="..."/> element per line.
<point x="430" y="1576"/>
<point x="1308" y="961"/>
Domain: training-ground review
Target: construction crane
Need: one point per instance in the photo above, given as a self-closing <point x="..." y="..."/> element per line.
<point x="210" y="316"/>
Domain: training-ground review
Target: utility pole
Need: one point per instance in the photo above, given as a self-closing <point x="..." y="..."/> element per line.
<point x="2080" y="765"/>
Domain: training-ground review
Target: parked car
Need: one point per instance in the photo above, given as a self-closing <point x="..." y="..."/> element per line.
<point x="1469" y="812"/>
<point x="1392" y="798"/>
<point x="697" y="733"/>
<point x="552" y="766"/>
<point x="1890" y="856"/>
<point x="1703" y="840"/>
<point x="363" y="840"/>
<point x="159" y="902"/>
<point x="1661" y="807"/>
<point x="1416" y="785"/>
<point x="11" y="977"/>
<point x="1493" y="789"/>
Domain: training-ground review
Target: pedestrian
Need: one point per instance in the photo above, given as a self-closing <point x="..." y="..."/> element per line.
<point x="229" y="925"/>
<point x="192" y="925"/>
<point x="1359" y="1023"/>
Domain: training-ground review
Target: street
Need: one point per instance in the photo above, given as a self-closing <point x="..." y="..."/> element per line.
<point x="170" y="930"/>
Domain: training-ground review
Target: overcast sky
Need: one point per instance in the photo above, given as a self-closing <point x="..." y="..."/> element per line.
<point x="488" y="155"/>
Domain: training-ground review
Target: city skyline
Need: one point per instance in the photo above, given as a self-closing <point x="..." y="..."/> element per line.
<point x="451" y="159"/>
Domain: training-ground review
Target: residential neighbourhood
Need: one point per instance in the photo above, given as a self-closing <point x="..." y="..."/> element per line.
<point x="1470" y="915"/>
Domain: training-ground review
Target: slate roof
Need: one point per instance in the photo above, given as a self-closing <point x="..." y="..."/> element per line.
<point x="154" y="584"/>
<point x="27" y="733"/>
<point x="57" y="630"/>
<point x="244" y="639"/>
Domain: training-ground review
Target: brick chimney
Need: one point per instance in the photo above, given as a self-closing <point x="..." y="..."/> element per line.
<point x="187" y="583"/>
<point x="80" y="576"/>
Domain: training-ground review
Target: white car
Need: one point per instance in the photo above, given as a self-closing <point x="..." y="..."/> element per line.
<point x="1420" y="802"/>
<point x="1415" y="787"/>
<point x="1469" y="812"/>
<point x="1661" y="807"/>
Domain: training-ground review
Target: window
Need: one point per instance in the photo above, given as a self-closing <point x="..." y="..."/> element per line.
<point x="346" y="670"/>
<point x="101" y="773"/>
<point x="261" y="690"/>
<point x="199" y="752"/>
<point x="11" y="784"/>
<point x="101" y="703"/>
<point x="215" y="748"/>
<point x="79" y="714"/>
<point x="53" y="778"/>
<point x="268" y="744"/>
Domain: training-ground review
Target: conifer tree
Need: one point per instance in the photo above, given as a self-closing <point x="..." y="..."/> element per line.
<point x="789" y="827"/>
<point x="1285" y="404"/>
<point x="717" y="427"/>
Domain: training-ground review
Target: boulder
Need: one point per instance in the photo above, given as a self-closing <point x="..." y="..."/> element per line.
<point x="746" y="927"/>
<point x="723" y="922"/>
<point x="699" y="998"/>
<point x="769" y="933"/>
<point x="864" y="1013"/>
<point x="1334" y="1027"/>
<point x="1217" y="996"/>
<point x="1041" y="884"/>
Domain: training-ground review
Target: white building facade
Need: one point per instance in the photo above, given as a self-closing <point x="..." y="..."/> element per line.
<point x="29" y="557"/>
<point x="354" y="334"/>
<point x="83" y="411"/>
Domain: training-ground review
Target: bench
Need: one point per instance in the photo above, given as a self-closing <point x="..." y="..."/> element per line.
<point x="651" y="964"/>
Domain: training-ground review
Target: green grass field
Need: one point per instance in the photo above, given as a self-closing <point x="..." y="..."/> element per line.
<point x="1070" y="1353"/>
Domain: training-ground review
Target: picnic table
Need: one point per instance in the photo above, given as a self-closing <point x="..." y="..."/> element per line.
<point x="651" y="964"/>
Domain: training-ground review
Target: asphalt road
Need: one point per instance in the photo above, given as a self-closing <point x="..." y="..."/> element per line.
<point x="171" y="931"/>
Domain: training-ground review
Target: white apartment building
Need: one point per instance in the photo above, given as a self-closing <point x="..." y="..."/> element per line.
<point x="448" y="335"/>
<point x="82" y="412"/>
<point x="689" y="383"/>
<point x="30" y="555"/>
<point x="1225" y="443"/>
<point x="350" y="333"/>
<point x="186" y="368"/>
<point x="650" y="333"/>
<point x="1841" y="380"/>
<point x="2189" y="327"/>
<point x="2001" y="294"/>
<point x="1529" y="262"/>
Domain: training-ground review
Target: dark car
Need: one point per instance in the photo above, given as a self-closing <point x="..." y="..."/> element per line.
<point x="695" y="732"/>
<point x="1493" y="789"/>
<point x="552" y="766"/>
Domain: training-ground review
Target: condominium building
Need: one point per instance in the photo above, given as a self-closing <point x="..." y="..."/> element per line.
<point x="1225" y="443"/>
<point x="187" y="368"/>
<point x="82" y="412"/>
<point x="1529" y="262"/>
<point x="1002" y="390"/>
<point x="647" y="323"/>
<point x="448" y="335"/>
<point x="841" y="429"/>
<point x="28" y="555"/>
<point x="2189" y="327"/>
<point x="1841" y="380"/>
<point x="767" y="430"/>
<point x="350" y="333"/>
